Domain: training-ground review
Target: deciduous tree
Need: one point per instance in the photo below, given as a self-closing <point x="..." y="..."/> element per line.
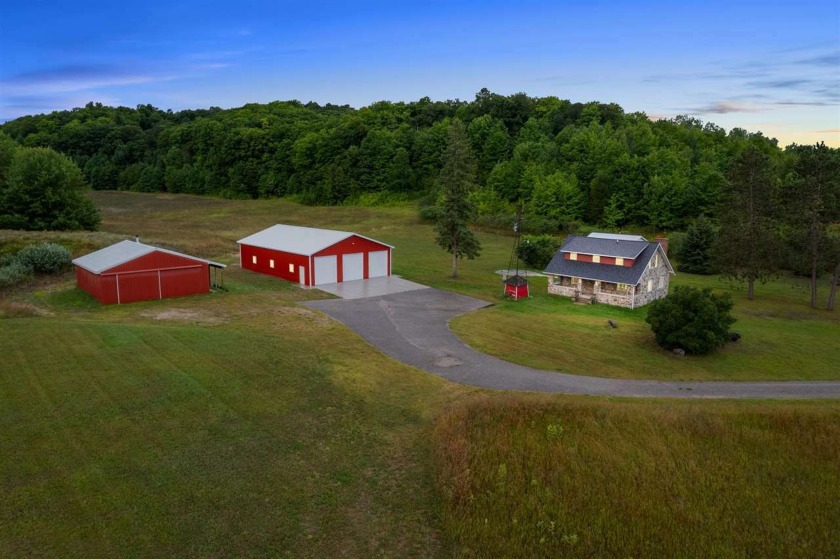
<point x="43" y="190"/>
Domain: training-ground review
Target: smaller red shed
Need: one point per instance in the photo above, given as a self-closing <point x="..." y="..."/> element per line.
<point x="311" y="256"/>
<point x="131" y="271"/>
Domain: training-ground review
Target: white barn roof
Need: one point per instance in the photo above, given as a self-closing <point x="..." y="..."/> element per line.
<point x="122" y="252"/>
<point x="304" y="241"/>
<point x="616" y="237"/>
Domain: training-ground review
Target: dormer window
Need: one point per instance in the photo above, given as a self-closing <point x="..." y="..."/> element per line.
<point x="572" y="256"/>
<point x="596" y="258"/>
<point x="619" y="262"/>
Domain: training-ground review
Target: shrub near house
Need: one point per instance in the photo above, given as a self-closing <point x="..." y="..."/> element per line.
<point x="691" y="319"/>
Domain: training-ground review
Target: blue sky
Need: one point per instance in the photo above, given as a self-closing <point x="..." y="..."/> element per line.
<point x="770" y="66"/>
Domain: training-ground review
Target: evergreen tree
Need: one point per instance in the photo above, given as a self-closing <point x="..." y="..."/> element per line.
<point x="812" y="195"/>
<point x="696" y="253"/>
<point x="747" y="248"/>
<point x="455" y="210"/>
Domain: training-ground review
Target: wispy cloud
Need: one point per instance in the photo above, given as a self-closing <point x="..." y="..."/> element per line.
<point x="724" y="107"/>
<point x="828" y="131"/>
<point x="74" y="77"/>
<point x="830" y="59"/>
<point x="780" y="83"/>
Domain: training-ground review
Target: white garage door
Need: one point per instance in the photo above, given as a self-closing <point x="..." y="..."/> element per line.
<point x="378" y="264"/>
<point x="326" y="269"/>
<point x="352" y="266"/>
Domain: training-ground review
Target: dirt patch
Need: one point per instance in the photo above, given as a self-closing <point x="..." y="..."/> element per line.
<point x="184" y="315"/>
<point x="18" y="309"/>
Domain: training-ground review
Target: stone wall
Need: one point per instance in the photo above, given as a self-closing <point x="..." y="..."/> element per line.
<point x="615" y="299"/>
<point x="562" y="290"/>
<point x="642" y="295"/>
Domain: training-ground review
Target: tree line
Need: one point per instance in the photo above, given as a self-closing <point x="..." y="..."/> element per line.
<point x="773" y="214"/>
<point x="567" y="163"/>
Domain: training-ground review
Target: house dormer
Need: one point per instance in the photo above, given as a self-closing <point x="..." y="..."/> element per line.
<point x="605" y="248"/>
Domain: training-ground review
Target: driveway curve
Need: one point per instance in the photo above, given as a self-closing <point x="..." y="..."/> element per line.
<point x="413" y="327"/>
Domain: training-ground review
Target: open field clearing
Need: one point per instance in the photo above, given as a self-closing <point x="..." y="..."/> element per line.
<point x="564" y="477"/>
<point x="241" y="423"/>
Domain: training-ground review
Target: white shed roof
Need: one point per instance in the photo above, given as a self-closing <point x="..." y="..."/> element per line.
<point x="617" y="237"/>
<point x="305" y="241"/>
<point x="122" y="252"/>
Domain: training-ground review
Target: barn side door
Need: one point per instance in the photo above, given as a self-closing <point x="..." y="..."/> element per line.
<point x="301" y="275"/>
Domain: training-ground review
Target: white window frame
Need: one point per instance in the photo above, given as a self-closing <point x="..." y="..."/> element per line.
<point x="619" y="261"/>
<point x="253" y="259"/>
<point x="271" y="263"/>
<point x="572" y="256"/>
<point x="596" y="258"/>
<point x="291" y="268"/>
<point x="650" y="285"/>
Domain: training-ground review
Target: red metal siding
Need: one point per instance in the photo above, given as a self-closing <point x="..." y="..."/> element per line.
<point x="153" y="276"/>
<point x="185" y="281"/>
<point x="352" y="245"/>
<point x="102" y="289"/>
<point x="153" y="261"/>
<point x="137" y="286"/>
<point x="281" y="263"/>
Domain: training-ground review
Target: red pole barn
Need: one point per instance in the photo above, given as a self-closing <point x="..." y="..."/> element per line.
<point x="131" y="271"/>
<point x="311" y="256"/>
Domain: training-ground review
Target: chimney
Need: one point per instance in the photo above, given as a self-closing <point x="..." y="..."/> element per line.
<point x="136" y="238"/>
<point x="664" y="242"/>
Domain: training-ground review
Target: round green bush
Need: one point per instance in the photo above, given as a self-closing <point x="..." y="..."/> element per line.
<point x="14" y="273"/>
<point x="46" y="258"/>
<point x="692" y="319"/>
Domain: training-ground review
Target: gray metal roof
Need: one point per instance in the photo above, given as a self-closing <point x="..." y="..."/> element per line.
<point x="605" y="247"/>
<point x="125" y="251"/>
<point x="604" y="272"/>
<point x="305" y="241"/>
<point x="618" y="236"/>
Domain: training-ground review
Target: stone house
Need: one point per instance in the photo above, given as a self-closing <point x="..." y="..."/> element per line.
<point x="622" y="270"/>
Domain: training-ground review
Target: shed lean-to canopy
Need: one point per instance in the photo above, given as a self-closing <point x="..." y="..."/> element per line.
<point x="304" y="241"/>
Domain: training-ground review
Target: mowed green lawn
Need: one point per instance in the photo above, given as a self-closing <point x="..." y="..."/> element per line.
<point x="242" y="424"/>
<point x="783" y="339"/>
<point x="222" y="425"/>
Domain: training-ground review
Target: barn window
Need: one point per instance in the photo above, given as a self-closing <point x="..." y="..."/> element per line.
<point x="271" y="263"/>
<point x="291" y="268"/>
<point x="254" y="259"/>
<point x="619" y="262"/>
<point x="596" y="258"/>
<point x="572" y="256"/>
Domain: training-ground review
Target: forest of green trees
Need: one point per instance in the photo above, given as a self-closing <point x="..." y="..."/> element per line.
<point x="750" y="207"/>
<point x="566" y="162"/>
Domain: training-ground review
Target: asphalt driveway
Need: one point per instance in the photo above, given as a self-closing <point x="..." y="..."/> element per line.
<point x="413" y="327"/>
